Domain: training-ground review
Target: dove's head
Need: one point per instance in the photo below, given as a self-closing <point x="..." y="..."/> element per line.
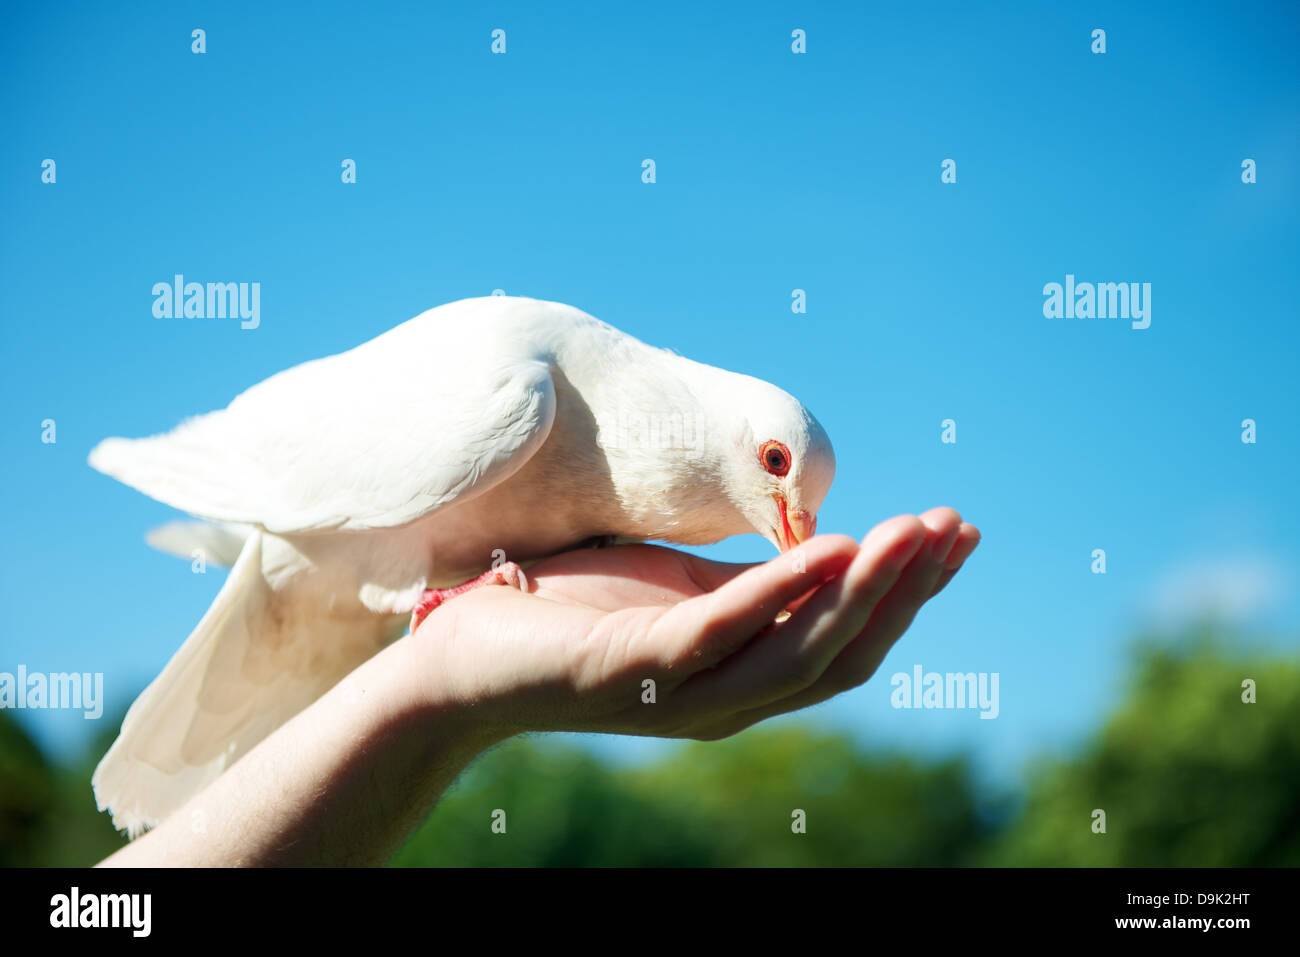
<point x="781" y="467"/>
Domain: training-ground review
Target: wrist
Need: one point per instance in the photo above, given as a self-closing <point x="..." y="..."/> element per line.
<point x="424" y="690"/>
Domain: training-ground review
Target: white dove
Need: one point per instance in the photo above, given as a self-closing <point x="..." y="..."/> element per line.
<point x="345" y="489"/>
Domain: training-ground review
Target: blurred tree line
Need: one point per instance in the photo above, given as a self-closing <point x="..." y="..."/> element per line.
<point x="1185" y="772"/>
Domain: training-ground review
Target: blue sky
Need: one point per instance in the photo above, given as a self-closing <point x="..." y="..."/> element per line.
<point x="775" y="171"/>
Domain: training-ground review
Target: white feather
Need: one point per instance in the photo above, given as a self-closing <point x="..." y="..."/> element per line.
<point x="248" y="667"/>
<point x="218" y="543"/>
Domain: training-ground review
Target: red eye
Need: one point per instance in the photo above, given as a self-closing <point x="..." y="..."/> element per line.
<point x="775" y="457"/>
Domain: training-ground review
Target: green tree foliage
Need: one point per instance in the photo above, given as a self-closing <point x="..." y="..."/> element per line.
<point x="26" y="793"/>
<point x="1185" y="771"/>
<point x="562" y="807"/>
<point x="859" y="807"/>
<point x="48" y="816"/>
<point x="723" y="803"/>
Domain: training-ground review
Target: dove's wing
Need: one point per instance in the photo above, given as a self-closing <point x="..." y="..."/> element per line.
<point x="256" y="659"/>
<point x="372" y="438"/>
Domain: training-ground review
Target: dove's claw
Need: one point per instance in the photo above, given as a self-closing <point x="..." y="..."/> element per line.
<point x="508" y="573"/>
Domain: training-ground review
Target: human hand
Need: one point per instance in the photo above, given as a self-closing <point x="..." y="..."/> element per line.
<point x="571" y="655"/>
<point x="574" y="653"/>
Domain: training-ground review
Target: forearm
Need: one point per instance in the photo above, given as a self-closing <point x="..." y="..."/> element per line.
<point x="342" y="783"/>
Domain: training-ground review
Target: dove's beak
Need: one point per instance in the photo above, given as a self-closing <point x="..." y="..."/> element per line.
<point x="796" y="525"/>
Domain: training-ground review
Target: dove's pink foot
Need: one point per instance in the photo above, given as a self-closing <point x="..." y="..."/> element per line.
<point x="507" y="574"/>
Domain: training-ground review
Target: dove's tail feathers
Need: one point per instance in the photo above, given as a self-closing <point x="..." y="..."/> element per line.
<point x="214" y="543"/>
<point x="256" y="659"/>
<point x="189" y="468"/>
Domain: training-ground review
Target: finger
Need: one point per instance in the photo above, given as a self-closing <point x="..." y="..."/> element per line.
<point x="862" y="656"/>
<point x="894" y="615"/>
<point x="794" y="655"/>
<point x="943" y="528"/>
<point x="967" y="541"/>
<point x="709" y="574"/>
<point x="712" y="626"/>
